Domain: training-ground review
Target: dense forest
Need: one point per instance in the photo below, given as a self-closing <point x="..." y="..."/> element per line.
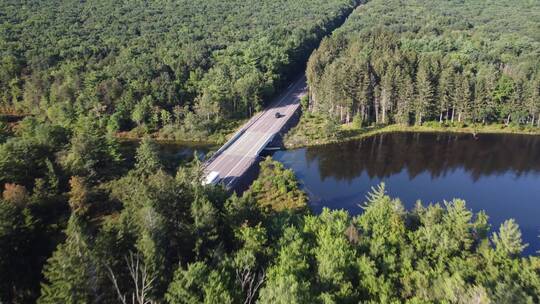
<point x="181" y="67"/>
<point x="82" y="222"/>
<point x="148" y="236"/>
<point x="409" y="62"/>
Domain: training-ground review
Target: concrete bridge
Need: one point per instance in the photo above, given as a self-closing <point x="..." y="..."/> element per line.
<point x="232" y="165"/>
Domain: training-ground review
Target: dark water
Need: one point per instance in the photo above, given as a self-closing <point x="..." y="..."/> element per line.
<point x="496" y="173"/>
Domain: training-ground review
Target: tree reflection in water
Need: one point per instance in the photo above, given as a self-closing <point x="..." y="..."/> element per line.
<point x="496" y="173"/>
<point x="437" y="153"/>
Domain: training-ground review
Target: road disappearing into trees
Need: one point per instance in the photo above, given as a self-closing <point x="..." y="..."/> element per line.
<point x="241" y="152"/>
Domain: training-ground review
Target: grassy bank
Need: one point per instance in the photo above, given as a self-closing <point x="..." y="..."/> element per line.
<point x="177" y="133"/>
<point x="313" y="130"/>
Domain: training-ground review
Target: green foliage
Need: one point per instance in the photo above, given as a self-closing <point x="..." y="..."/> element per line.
<point x="288" y="279"/>
<point x="147" y="157"/>
<point x="276" y="188"/>
<point x="198" y="246"/>
<point x="415" y="61"/>
<point x="215" y="60"/>
<point x="508" y="240"/>
<point x="92" y="153"/>
<point x="314" y="128"/>
<point x="357" y="121"/>
<point x="87" y="69"/>
<point x="27" y="156"/>
<point x="253" y="241"/>
<point x="4" y="132"/>
<point x="199" y="284"/>
<point x="70" y="273"/>
<point x="334" y="256"/>
<point x="304" y="103"/>
<point x="16" y="225"/>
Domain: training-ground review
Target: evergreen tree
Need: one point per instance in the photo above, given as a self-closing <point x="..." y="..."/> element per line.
<point x="508" y="240"/>
<point x="424" y="94"/>
<point x="462" y="97"/>
<point x="248" y="261"/>
<point x="445" y="93"/>
<point x="288" y="281"/>
<point x="405" y="100"/>
<point x="147" y="157"/>
<point x="334" y="257"/>
<point x="92" y="153"/>
<point x="532" y="102"/>
<point x="387" y="93"/>
<point x="16" y="244"/>
<point x="71" y="273"/>
<point x="199" y="284"/>
<point x="79" y="196"/>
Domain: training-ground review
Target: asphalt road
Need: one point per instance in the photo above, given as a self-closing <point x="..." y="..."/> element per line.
<point x="241" y="153"/>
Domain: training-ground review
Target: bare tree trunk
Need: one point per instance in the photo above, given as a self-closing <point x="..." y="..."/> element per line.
<point x="453" y="113"/>
<point x="140" y="278"/>
<point x="376" y="106"/>
<point x="250" y="282"/>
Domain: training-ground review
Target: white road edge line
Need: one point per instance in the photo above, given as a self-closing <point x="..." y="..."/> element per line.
<point x="256" y="119"/>
<point x="264" y="138"/>
<point x="287" y="94"/>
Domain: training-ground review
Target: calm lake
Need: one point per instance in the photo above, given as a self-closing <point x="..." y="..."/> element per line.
<point x="496" y="173"/>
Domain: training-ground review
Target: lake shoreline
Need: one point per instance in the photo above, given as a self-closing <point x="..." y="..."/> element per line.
<point x="497" y="173"/>
<point x="350" y="134"/>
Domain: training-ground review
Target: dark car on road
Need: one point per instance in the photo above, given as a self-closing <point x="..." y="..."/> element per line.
<point x="277" y="115"/>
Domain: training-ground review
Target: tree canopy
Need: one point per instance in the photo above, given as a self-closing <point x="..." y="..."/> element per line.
<point x="414" y="61"/>
<point x="182" y="67"/>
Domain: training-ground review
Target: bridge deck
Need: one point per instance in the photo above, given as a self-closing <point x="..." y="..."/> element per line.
<point x="241" y="153"/>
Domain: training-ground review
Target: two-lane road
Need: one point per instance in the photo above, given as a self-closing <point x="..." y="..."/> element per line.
<point x="241" y="153"/>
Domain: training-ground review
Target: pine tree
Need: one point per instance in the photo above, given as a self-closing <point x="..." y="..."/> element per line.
<point x="288" y="279"/>
<point x="405" y="99"/>
<point x="532" y="102"/>
<point x="334" y="255"/>
<point x="445" y="91"/>
<point x="199" y="284"/>
<point x="71" y="273"/>
<point x="481" y="100"/>
<point x="508" y="240"/>
<point x="462" y="97"/>
<point x="147" y="157"/>
<point x="387" y="93"/>
<point x="17" y="235"/>
<point x="79" y="196"/>
<point x="424" y="94"/>
<point x="52" y="181"/>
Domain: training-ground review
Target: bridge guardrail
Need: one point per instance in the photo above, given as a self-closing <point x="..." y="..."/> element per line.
<point x="233" y="139"/>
